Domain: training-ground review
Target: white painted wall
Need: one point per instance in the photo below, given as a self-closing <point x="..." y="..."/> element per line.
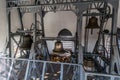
<point x="54" y="22"/>
<point x="3" y="24"/>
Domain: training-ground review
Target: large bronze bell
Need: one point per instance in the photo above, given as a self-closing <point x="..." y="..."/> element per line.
<point x="58" y="47"/>
<point x="26" y="42"/>
<point x="93" y="23"/>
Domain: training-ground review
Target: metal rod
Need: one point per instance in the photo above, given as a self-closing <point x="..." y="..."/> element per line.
<point x="27" y="70"/>
<point x="59" y="38"/>
<point x="15" y="41"/>
<point x="20" y="17"/>
<point x="79" y="31"/>
<point x="81" y="72"/>
<point x="111" y="45"/>
<point x="34" y="40"/>
<point x="61" y="72"/>
<point x="11" y="68"/>
<point x="42" y="23"/>
<point x="85" y="76"/>
<point x="43" y="71"/>
<point x="9" y="32"/>
<point x="99" y="74"/>
<point x="112" y="78"/>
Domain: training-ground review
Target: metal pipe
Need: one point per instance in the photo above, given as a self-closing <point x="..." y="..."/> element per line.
<point x="42" y="23"/>
<point x="9" y="73"/>
<point x="9" y="32"/>
<point x="27" y="70"/>
<point x="59" y="38"/>
<point x="111" y="44"/>
<point x="61" y="72"/>
<point x="20" y="17"/>
<point x="99" y="74"/>
<point x="35" y="14"/>
<point x="43" y="71"/>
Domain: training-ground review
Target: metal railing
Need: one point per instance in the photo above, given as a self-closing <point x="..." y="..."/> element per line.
<point x="98" y="76"/>
<point x="26" y="69"/>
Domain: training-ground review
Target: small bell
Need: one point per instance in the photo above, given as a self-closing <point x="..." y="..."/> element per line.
<point x="26" y="42"/>
<point x="92" y="23"/>
<point x="58" y="47"/>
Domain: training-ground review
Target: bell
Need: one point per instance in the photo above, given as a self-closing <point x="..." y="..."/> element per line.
<point x="58" y="47"/>
<point x="26" y="42"/>
<point x="92" y="23"/>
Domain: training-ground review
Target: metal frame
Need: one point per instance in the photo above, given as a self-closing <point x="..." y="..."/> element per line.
<point x="102" y="76"/>
<point x="11" y="70"/>
<point x="42" y="7"/>
<point x="84" y="76"/>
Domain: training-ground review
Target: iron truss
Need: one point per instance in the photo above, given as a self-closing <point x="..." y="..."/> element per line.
<point x="28" y="6"/>
<point x="77" y="6"/>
